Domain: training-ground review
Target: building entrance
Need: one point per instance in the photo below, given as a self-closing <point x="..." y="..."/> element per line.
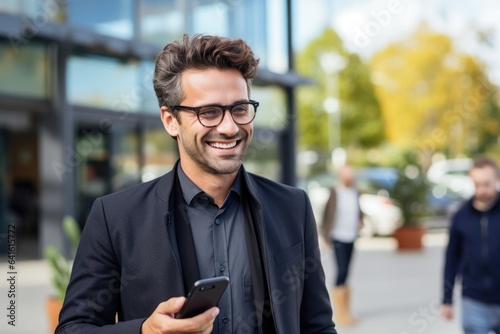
<point x="20" y="184"/>
<point x="93" y="173"/>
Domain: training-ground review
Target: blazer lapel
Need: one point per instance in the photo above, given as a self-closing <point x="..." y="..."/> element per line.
<point x="164" y="193"/>
<point x="263" y="238"/>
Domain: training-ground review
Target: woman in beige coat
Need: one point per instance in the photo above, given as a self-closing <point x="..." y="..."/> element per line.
<point x="341" y="222"/>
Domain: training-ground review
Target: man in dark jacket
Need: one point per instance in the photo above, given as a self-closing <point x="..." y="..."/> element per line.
<point x="144" y="247"/>
<point x="474" y="253"/>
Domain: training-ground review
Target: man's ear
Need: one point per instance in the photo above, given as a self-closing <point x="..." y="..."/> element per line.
<point x="169" y="122"/>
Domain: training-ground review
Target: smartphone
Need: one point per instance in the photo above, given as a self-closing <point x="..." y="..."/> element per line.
<point x="204" y="294"/>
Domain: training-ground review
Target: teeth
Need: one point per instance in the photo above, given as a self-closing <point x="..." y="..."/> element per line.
<point x="223" y="145"/>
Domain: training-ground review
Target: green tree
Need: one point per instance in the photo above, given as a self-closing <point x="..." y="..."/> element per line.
<point x="488" y="135"/>
<point x="361" y="124"/>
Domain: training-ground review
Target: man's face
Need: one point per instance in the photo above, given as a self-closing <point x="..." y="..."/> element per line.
<point x="347" y="176"/>
<point x="485" y="180"/>
<point x="217" y="150"/>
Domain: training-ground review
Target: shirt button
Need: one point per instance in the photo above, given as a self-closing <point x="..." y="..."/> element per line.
<point x="217" y="221"/>
<point x="225" y="320"/>
<point x="221" y="268"/>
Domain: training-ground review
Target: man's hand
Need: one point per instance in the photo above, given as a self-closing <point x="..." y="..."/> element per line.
<point x="324" y="245"/>
<point x="447" y="311"/>
<point x="162" y="320"/>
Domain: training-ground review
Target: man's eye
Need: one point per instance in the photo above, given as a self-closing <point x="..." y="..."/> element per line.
<point x="240" y="109"/>
<point x="210" y="112"/>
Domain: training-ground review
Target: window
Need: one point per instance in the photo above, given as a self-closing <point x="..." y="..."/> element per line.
<point x="125" y="158"/>
<point x="160" y="153"/>
<point x="24" y="70"/>
<point x="210" y="17"/>
<point x="162" y="21"/>
<point x="92" y="177"/>
<point x="104" y="82"/>
<point x="19" y="7"/>
<point x="38" y="11"/>
<point x="275" y="57"/>
<point x="110" y="17"/>
<point x="146" y="92"/>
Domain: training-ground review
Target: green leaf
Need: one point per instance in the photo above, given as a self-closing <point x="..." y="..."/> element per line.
<point x="58" y="262"/>
<point x="71" y="230"/>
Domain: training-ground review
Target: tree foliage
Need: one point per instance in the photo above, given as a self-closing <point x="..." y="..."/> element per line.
<point x="361" y="124"/>
<point x="432" y="96"/>
<point x="488" y="129"/>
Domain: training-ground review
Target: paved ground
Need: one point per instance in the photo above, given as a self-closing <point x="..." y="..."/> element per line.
<point x="393" y="292"/>
<point x="33" y="286"/>
<point x="397" y="292"/>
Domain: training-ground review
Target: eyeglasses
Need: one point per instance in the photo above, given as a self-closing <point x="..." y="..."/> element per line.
<point x="212" y="115"/>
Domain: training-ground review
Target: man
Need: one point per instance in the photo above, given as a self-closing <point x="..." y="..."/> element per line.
<point x="474" y="253"/>
<point x="143" y="248"/>
<point x="342" y="220"/>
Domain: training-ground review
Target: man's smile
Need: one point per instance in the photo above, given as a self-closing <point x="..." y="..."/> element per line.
<point x="223" y="145"/>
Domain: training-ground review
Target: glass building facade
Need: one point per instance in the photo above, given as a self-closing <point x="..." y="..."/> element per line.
<point x="78" y="114"/>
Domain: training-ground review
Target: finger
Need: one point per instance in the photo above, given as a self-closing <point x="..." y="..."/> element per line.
<point x="173" y="305"/>
<point x="207" y="316"/>
<point x="206" y="319"/>
<point x="198" y="324"/>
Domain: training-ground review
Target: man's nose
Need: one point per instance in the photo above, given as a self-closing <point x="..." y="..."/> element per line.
<point x="228" y="126"/>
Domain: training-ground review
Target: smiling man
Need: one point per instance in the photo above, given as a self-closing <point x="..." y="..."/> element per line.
<point x="144" y="247"/>
<point x="212" y="138"/>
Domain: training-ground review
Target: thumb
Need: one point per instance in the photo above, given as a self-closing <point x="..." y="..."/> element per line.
<point x="173" y="305"/>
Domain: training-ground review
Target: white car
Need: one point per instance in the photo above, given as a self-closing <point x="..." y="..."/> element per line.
<point x="452" y="174"/>
<point x="380" y="215"/>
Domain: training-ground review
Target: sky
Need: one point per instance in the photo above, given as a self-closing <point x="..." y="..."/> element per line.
<point x="367" y="26"/>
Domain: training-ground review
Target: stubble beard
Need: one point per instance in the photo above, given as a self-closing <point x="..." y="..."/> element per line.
<point x="227" y="164"/>
<point x="486" y="198"/>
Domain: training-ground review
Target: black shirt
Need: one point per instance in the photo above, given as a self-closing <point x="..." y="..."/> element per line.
<point x="220" y="245"/>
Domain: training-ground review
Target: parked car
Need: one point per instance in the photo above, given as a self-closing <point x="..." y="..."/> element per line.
<point x="381" y="214"/>
<point x="452" y="175"/>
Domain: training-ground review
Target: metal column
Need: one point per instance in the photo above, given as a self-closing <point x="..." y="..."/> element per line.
<point x="288" y="136"/>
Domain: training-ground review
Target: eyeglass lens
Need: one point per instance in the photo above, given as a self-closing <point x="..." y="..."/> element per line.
<point x="242" y="114"/>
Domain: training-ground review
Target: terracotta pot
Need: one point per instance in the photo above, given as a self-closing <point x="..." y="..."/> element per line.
<point x="409" y="237"/>
<point x="53" y="307"/>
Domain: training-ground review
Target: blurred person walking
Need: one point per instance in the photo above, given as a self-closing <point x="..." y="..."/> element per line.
<point x="342" y="220"/>
<point x="473" y="253"/>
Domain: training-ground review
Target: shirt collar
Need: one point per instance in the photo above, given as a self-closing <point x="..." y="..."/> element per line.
<point x="190" y="190"/>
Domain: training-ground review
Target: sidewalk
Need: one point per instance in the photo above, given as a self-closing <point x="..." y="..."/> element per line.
<point x="393" y="292"/>
<point x="33" y="286"/>
<point x="397" y="292"/>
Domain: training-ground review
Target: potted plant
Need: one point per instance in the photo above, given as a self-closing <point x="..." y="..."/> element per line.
<point x="410" y="192"/>
<point x="61" y="270"/>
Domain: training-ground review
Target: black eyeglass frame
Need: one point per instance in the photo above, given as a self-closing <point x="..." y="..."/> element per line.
<point x="196" y="110"/>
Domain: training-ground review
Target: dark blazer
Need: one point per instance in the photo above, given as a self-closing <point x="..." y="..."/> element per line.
<point x="127" y="262"/>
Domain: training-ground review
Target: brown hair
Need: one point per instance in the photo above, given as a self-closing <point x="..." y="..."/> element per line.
<point x="199" y="52"/>
<point x="481" y="162"/>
